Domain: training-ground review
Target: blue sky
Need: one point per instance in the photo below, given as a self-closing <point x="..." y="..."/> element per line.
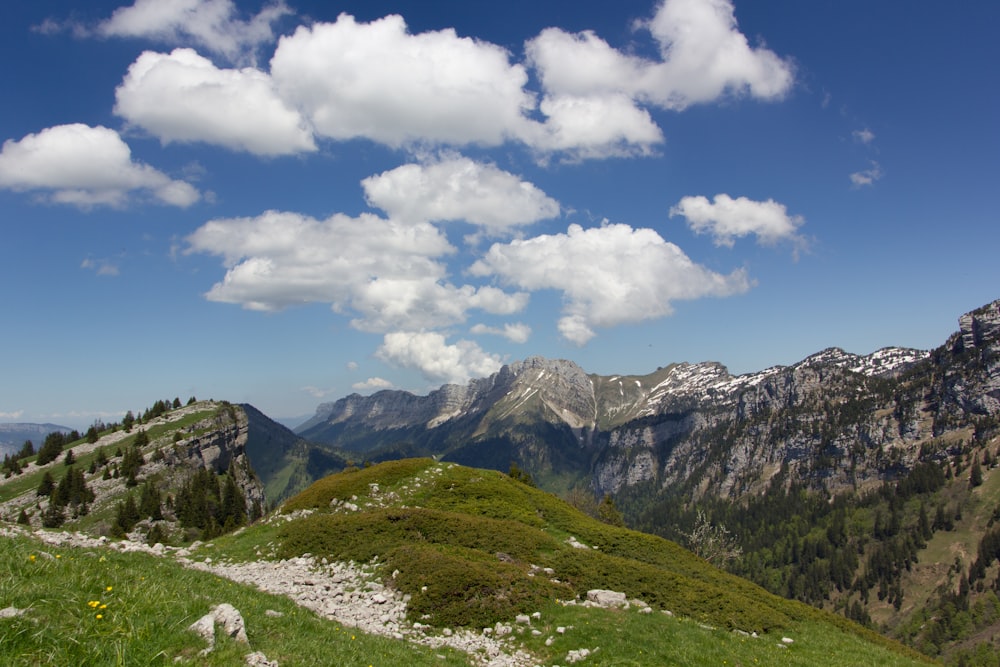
<point x="282" y="203"/>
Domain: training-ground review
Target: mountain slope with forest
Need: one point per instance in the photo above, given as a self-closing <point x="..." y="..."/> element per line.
<point x="846" y="481"/>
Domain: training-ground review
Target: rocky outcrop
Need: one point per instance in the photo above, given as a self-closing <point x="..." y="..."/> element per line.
<point x="219" y="444"/>
<point x="834" y="420"/>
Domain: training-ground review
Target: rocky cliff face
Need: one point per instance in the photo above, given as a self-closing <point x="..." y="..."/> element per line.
<point x="219" y="444"/>
<point x="834" y="420"/>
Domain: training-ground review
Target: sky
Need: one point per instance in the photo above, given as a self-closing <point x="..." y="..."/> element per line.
<point x="283" y="202"/>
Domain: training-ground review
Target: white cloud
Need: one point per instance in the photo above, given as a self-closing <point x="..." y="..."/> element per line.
<point x="727" y="219"/>
<point x="183" y="97"/>
<point x="424" y="303"/>
<point x="317" y="392"/>
<point x="384" y="271"/>
<point x="608" y="275"/>
<point x="211" y="24"/>
<point x="867" y="176"/>
<point x="517" y="332"/>
<point x="16" y="414"/>
<point x="706" y="56"/>
<point x="85" y="166"/>
<point x="378" y="81"/>
<point x="703" y="56"/>
<point x="372" y="384"/>
<point x="101" y="267"/>
<point x="438" y="361"/>
<point x="457" y="188"/>
<point x="586" y="127"/>
<point x="864" y="136"/>
<point x="352" y="366"/>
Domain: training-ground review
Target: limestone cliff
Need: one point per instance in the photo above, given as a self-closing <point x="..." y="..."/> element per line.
<point x="834" y="420"/>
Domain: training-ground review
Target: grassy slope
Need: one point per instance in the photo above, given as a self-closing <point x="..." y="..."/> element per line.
<point x="441" y="526"/>
<point x="149" y="603"/>
<point x="463" y="541"/>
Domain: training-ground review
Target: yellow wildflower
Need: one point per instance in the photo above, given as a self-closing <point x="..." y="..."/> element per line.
<point x="109" y="589"/>
<point x="100" y="616"/>
<point x="32" y="558"/>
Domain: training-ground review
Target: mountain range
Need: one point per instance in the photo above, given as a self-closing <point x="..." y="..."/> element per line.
<point x="863" y="484"/>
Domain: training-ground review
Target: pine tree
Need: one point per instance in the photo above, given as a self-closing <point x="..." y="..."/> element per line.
<point x="233" y="507"/>
<point x="976" y="474"/>
<point x="53" y="516"/>
<point x="149" y="502"/>
<point x="27" y="450"/>
<point x="46" y="486"/>
<point x="128" y="421"/>
<point x="51" y="448"/>
<point x="70" y="458"/>
<point x="126" y="516"/>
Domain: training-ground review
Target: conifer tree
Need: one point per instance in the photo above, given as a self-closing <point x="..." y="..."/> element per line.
<point x="27" y="449"/>
<point x="149" y="502"/>
<point x="53" y="516"/>
<point x="51" y="448"/>
<point x="976" y="474"/>
<point x="46" y="486"/>
<point x="126" y="516"/>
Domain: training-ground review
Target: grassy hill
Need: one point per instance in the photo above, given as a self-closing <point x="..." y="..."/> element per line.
<point x="468" y="548"/>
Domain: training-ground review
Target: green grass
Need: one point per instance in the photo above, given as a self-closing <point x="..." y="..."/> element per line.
<point x="628" y="638"/>
<point x="465" y="544"/>
<point x="147" y="604"/>
<point x="463" y="541"/>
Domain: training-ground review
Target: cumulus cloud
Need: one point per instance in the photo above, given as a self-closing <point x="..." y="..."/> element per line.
<point x="386" y="272"/>
<point x="867" y="176"/>
<point x="608" y="275"/>
<point x="213" y="25"/>
<point x="15" y="414"/>
<point x="591" y="127"/>
<point x="438" y="361"/>
<point x="703" y="56"/>
<point x="376" y="80"/>
<point x="372" y="384"/>
<point x="85" y="166"/>
<point x="457" y="188"/>
<point x="864" y="136"/>
<point x="516" y="332"/>
<point x="727" y="219"/>
<point x="183" y="97"/>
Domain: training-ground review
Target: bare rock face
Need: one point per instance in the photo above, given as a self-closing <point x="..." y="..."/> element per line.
<point x="834" y="420"/>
